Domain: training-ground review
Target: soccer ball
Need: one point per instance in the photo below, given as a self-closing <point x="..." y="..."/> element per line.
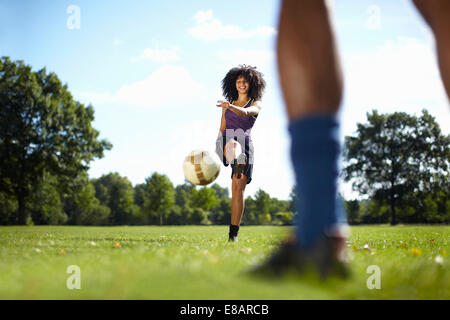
<point x="201" y="167"/>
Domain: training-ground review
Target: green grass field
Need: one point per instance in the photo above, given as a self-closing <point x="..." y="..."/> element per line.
<point x="196" y="262"/>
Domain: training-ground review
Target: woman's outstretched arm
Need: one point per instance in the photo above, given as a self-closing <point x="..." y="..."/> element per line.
<point x="240" y="111"/>
<point x="223" y="123"/>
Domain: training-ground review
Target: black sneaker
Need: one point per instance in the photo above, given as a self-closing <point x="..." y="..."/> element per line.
<point x="232" y="239"/>
<point x="328" y="257"/>
<point x="240" y="162"/>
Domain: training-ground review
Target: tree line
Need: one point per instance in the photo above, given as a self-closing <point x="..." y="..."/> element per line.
<point x="397" y="162"/>
<point x="400" y="164"/>
<point x="113" y="200"/>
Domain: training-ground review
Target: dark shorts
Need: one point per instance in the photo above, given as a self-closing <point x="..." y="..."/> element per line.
<point x="246" y="144"/>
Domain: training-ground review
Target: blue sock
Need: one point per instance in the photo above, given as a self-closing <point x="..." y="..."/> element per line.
<point x="315" y="150"/>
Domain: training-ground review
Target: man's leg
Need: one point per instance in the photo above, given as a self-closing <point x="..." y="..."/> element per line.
<point x="312" y="86"/>
<point x="308" y="65"/>
<point x="437" y="14"/>
<point x="311" y="80"/>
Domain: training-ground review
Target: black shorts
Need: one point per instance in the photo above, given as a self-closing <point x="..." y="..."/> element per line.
<point x="246" y="145"/>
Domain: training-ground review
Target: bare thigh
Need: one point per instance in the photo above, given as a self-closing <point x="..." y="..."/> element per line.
<point x="232" y="150"/>
<point x="238" y="185"/>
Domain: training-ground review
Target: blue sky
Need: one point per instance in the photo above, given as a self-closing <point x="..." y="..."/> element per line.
<point x="152" y="71"/>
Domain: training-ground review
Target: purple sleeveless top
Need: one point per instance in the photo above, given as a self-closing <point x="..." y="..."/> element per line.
<point x="235" y="122"/>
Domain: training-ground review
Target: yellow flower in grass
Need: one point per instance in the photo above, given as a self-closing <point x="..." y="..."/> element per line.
<point x="416" y="252"/>
<point x="62" y="251"/>
<point x="117" y="245"/>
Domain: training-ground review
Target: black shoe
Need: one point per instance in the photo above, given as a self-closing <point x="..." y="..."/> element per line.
<point x="328" y="257"/>
<point x="240" y="164"/>
<point x="233" y="234"/>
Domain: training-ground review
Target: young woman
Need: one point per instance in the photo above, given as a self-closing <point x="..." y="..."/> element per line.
<point x="242" y="88"/>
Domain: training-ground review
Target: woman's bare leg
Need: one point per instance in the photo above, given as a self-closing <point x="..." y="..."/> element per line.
<point x="232" y="150"/>
<point x="437" y="14"/>
<point x="237" y="199"/>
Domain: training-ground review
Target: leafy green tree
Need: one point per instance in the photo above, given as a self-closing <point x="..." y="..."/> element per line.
<point x="175" y="216"/>
<point x="204" y="198"/>
<point x="352" y="209"/>
<point x="45" y="202"/>
<point x="250" y="216"/>
<point x="264" y="218"/>
<point x="373" y="211"/>
<point x="186" y="213"/>
<point x="81" y="205"/>
<point x="42" y="129"/>
<point x="262" y="204"/>
<point x="140" y="217"/>
<point x="395" y="154"/>
<point x="117" y="194"/>
<point x="8" y="207"/>
<point x="283" y="218"/>
<point x="442" y="214"/>
<point x="197" y="216"/>
<point x="221" y="192"/>
<point x="139" y="194"/>
<point x="183" y="195"/>
<point x="91" y="211"/>
<point x="159" y="197"/>
<point x="430" y="207"/>
<point x="257" y="209"/>
<point x="276" y="205"/>
<point x="221" y="212"/>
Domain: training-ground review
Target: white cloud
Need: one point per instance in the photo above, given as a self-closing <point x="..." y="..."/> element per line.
<point x="168" y="86"/>
<point x="212" y="29"/>
<point x="159" y="55"/>
<point x="203" y="16"/>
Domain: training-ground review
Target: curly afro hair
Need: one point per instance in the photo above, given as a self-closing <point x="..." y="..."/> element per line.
<point x="255" y="79"/>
